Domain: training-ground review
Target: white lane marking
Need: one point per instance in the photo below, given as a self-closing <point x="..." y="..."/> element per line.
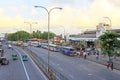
<point x="58" y="64"/>
<point x="61" y="68"/>
<point x="36" y="66"/>
<point x="28" y="78"/>
<point x="52" y="63"/>
<point x="90" y="74"/>
<point x="71" y="76"/>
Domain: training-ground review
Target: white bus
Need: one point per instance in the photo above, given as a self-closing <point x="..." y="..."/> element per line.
<point x="53" y="47"/>
<point x="44" y="45"/>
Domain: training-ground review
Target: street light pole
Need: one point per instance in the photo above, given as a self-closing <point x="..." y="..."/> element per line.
<point x="48" y="13"/>
<point x="109" y="21"/>
<point x="64" y="32"/>
<point x="31" y="25"/>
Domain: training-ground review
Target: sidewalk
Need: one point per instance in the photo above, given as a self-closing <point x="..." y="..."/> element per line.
<point x="103" y="60"/>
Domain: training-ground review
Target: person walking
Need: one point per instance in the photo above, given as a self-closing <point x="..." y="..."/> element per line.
<point x="108" y="64"/>
<point x="97" y="56"/>
<point x="85" y="55"/>
<point x="111" y="62"/>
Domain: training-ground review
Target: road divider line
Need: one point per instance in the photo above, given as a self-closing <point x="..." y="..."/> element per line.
<point x="36" y="66"/>
<point x="28" y="78"/>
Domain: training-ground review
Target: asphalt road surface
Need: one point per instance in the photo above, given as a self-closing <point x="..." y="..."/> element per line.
<point x="75" y="68"/>
<point x="19" y="70"/>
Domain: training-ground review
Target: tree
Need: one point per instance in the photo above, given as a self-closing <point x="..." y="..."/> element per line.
<point x="20" y="35"/>
<point x="36" y="34"/>
<point x="23" y="35"/>
<point x="10" y="37"/>
<point x="109" y="41"/>
<point x="45" y="35"/>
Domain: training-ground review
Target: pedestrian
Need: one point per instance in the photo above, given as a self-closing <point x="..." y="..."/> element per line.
<point x="97" y="56"/>
<point x="111" y="62"/>
<point x="108" y="64"/>
<point x="85" y="55"/>
<point x="111" y="65"/>
<point x="81" y="53"/>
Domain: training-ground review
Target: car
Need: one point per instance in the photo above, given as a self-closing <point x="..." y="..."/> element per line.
<point x="9" y="46"/>
<point x="14" y="56"/>
<point x="4" y="61"/>
<point x="24" y="57"/>
<point x="39" y="46"/>
<point x="25" y="44"/>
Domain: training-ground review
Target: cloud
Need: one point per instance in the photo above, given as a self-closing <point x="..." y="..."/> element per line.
<point x="103" y="8"/>
<point x="13" y="9"/>
<point x="34" y="12"/>
<point x="76" y="17"/>
<point x="24" y="7"/>
<point x="1" y="11"/>
<point x="62" y="1"/>
<point x="71" y="16"/>
<point x="115" y="2"/>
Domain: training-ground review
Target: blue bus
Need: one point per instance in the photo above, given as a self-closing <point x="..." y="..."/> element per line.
<point x="67" y="50"/>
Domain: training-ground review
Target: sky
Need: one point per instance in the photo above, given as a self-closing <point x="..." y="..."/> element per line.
<point x="75" y="17"/>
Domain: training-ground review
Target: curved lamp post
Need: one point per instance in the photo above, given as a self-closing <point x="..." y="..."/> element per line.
<point x="48" y="13"/>
<point x="109" y="21"/>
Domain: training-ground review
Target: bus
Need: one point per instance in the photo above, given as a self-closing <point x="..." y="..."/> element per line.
<point x="44" y="45"/>
<point x="67" y="50"/>
<point x="53" y="47"/>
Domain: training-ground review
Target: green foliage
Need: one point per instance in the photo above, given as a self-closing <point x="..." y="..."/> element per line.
<point x="45" y="35"/>
<point x="20" y="35"/>
<point x="109" y="41"/>
<point x="36" y="34"/>
<point x="52" y="35"/>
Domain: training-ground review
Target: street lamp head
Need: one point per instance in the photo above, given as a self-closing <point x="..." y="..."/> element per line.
<point x="60" y="8"/>
<point x="106" y="17"/>
<point x="26" y="22"/>
<point x="36" y="6"/>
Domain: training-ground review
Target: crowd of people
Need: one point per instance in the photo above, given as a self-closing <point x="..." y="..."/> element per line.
<point x="83" y="53"/>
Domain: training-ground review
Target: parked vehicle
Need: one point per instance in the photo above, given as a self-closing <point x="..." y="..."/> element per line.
<point x="44" y="45"/>
<point x="53" y="47"/>
<point x="68" y="50"/>
<point x="4" y="61"/>
<point x="24" y="57"/>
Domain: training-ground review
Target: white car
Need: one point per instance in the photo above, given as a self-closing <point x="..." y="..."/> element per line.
<point x="25" y="44"/>
<point x="9" y="46"/>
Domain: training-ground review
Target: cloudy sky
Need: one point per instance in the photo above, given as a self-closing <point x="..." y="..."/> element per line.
<point x="75" y="17"/>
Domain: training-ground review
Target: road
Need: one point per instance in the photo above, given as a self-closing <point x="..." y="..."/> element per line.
<point x="75" y="68"/>
<point x="19" y="70"/>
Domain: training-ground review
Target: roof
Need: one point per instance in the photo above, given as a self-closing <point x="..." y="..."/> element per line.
<point x="91" y="34"/>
